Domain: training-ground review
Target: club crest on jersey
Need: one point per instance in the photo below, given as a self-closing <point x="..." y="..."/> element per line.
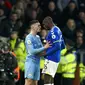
<point x="29" y="42"/>
<point x="53" y="36"/>
<point x="30" y="75"/>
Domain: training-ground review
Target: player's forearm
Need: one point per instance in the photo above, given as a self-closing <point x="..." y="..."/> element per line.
<point x="36" y="51"/>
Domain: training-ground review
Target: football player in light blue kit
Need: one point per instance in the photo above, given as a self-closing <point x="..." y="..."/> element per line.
<point x="52" y="53"/>
<point x="34" y="47"/>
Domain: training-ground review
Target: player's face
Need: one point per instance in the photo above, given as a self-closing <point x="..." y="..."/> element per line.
<point x="37" y="27"/>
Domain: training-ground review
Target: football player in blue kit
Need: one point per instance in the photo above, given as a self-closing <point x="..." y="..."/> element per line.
<point x="53" y="53"/>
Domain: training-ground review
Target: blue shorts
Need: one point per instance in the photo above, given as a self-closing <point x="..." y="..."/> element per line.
<point x="32" y="69"/>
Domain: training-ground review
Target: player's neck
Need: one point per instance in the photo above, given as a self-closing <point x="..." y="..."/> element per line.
<point x="33" y="33"/>
<point x="52" y="26"/>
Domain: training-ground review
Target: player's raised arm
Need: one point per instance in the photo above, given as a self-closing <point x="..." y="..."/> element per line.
<point x="33" y="50"/>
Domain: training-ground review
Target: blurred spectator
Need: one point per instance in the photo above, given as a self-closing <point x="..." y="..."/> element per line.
<point x="27" y="31"/>
<point x="68" y="75"/>
<point x="8" y="63"/>
<point x="6" y="5"/>
<point x="34" y="15"/>
<point x="26" y="3"/>
<point x="18" y="46"/>
<point x="43" y="36"/>
<point x="34" y="11"/>
<point x="29" y="15"/>
<point x="81" y="20"/>
<point x="19" y="5"/>
<point x="20" y="14"/>
<point x="39" y="11"/>
<point x="79" y="39"/>
<point x="70" y="11"/>
<point x="13" y="2"/>
<point x="68" y="60"/>
<point x="79" y="33"/>
<point x="53" y="12"/>
<point x="62" y="4"/>
<point x="43" y="3"/>
<point x="81" y="4"/>
<point x="10" y="25"/>
<point x="2" y="16"/>
<point x="3" y="39"/>
<point x="69" y="30"/>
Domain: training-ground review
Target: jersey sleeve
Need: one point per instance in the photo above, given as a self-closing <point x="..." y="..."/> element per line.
<point x="31" y="49"/>
<point x="56" y="38"/>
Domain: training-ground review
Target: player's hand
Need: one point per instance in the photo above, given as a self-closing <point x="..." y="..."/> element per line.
<point x="47" y="45"/>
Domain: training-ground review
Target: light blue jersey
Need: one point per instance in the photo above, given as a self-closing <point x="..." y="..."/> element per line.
<point x="33" y="46"/>
<point x="32" y="64"/>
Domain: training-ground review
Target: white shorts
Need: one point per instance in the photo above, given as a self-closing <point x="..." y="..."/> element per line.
<point x="50" y="67"/>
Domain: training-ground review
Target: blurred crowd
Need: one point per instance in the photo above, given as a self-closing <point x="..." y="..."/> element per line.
<point x="15" y="15"/>
<point x="69" y="15"/>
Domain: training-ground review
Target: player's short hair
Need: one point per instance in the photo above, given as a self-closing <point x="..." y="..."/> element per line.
<point x="33" y="22"/>
<point x="47" y="20"/>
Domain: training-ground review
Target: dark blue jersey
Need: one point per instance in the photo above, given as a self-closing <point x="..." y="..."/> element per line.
<point x="55" y="37"/>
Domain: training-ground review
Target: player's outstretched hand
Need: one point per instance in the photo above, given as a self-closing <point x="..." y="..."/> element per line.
<point x="47" y="45"/>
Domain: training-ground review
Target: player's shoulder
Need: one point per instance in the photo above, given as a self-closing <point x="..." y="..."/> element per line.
<point x="56" y="28"/>
<point x="28" y="39"/>
<point x="28" y="36"/>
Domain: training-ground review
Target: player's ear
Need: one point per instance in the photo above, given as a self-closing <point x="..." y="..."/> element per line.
<point x="32" y="26"/>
